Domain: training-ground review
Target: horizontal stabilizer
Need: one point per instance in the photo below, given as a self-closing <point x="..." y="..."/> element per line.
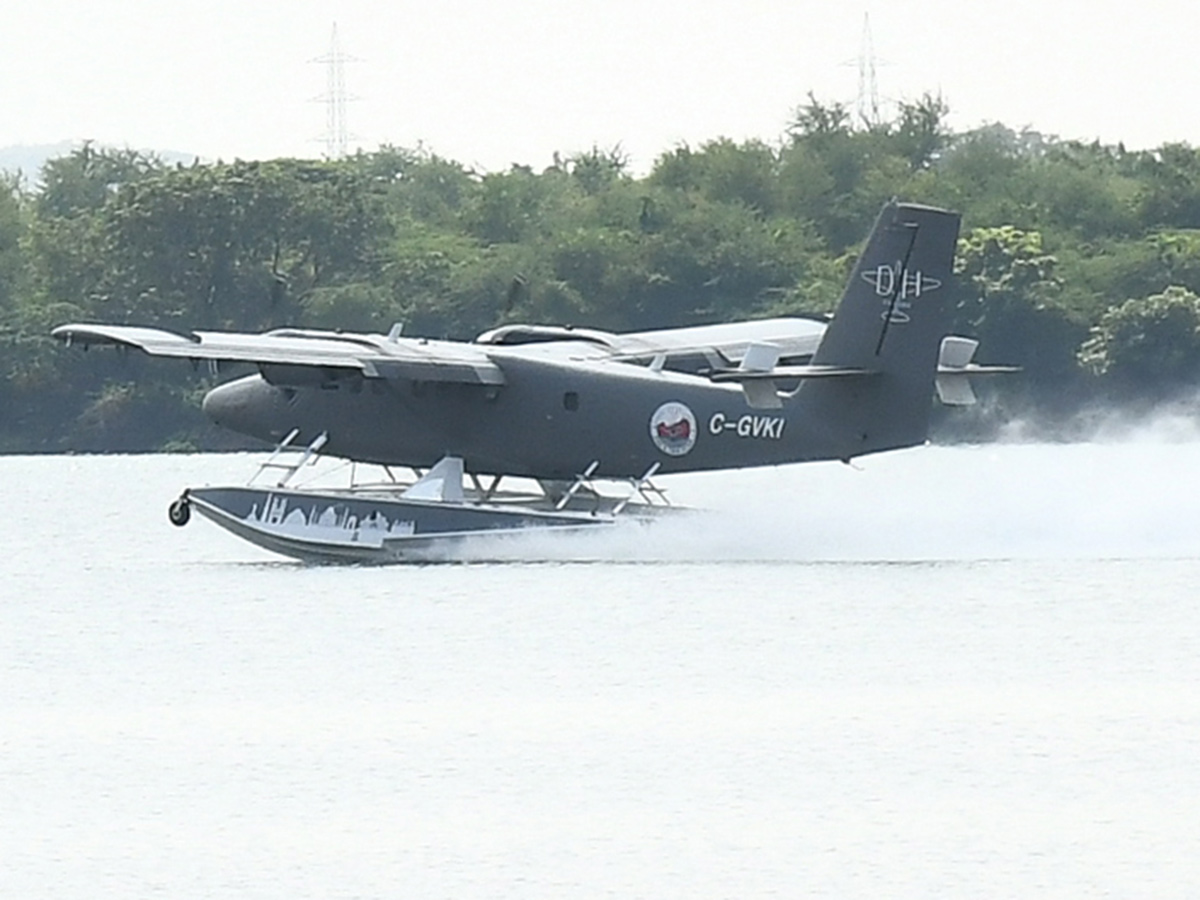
<point x="784" y="373"/>
<point x="761" y="385"/>
<point x="955" y="368"/>
<point x="955" y="390"/>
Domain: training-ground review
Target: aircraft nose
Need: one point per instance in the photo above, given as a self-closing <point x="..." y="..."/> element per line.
<point x="248" y="406"/>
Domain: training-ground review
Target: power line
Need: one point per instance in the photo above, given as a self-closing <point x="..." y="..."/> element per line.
<point x="337" y="134"/>
<point x="867" y="102"/>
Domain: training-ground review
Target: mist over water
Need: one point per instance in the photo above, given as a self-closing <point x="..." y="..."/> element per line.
<point x="1126" y="496"/>
<point x="949" y="671"/>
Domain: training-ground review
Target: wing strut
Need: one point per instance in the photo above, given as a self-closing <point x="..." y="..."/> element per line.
<point x="291" y="468"/>
<point x="646" y="488"/>
<point x="580" y="481"/>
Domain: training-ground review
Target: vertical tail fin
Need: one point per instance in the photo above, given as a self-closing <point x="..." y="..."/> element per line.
<point x="891" y="320"/>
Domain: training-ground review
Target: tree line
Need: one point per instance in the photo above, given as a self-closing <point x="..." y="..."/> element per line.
<point x="1078" y="261"/>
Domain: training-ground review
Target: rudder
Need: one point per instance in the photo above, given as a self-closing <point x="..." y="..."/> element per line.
<point x="890" y="321"/>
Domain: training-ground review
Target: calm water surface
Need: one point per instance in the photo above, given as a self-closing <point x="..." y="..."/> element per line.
<point x="956" y="672"/>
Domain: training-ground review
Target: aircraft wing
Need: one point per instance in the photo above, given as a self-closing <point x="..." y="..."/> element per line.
<point x="731" y="340"/>
<point x="375" y="356"/>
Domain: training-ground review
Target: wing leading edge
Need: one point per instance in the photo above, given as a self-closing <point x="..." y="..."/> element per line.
<point x="374" y="356"/>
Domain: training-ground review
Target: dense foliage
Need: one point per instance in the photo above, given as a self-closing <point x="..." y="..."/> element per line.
<point x="1080" y="262"/>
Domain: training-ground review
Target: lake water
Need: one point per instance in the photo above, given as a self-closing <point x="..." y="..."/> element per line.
<point x="967" y="672"/>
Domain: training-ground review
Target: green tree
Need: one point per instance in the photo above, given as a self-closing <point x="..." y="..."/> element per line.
<point x="87" y="177"/>
<point x="978" y="172"/>
<point x="510" y="207"/>
<point x="724" y="172"/>
<point x="222" y="246"/>
<point x="838" y="176"/>
<point x="817" y="121"/>
<point x="1149" y="345"/>
<point x="12" y="228"/>
<point x="597" y="170"/>
<point x="920" y="133"/>
<point x="420" y="186"/>
<point x="716" y="261"/>
<point x="1007" y="292"/>
<point x="1169" y="181"/>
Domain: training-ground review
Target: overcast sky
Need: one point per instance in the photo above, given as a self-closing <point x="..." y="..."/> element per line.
<point x="494" y="82"/>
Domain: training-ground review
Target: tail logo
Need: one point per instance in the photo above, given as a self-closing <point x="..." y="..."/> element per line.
<point x="673" y="429"/>
<point x="895" y="283"/>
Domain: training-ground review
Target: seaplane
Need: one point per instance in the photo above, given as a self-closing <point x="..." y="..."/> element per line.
<point x="568" y="408"/>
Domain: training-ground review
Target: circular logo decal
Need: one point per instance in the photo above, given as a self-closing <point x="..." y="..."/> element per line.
<point x="673" y="429"/>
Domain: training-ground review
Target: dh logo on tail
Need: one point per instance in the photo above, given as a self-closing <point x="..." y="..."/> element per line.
<point x="899" y="283"/>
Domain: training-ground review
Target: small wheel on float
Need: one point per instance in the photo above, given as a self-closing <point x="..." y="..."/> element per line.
<point x="179" y="512"/>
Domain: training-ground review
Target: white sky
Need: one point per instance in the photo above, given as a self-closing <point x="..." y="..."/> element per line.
<point x="493" y="82"/>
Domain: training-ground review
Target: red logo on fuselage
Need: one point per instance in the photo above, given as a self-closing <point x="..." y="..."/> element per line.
<point x="676" y="431"/>
<point x="673" y="428"/>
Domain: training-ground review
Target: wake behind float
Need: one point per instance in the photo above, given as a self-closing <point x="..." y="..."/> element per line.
<point x="401" y="521"/>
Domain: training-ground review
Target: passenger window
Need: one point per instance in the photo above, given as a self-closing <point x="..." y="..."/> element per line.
<point x="570" y="401"/>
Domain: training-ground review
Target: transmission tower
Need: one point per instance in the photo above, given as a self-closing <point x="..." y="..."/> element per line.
<point x="867" y="102"/>
<point x="337" y="135"/>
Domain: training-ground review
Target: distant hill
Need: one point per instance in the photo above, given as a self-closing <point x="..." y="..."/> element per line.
<point x="28" y="159"/>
